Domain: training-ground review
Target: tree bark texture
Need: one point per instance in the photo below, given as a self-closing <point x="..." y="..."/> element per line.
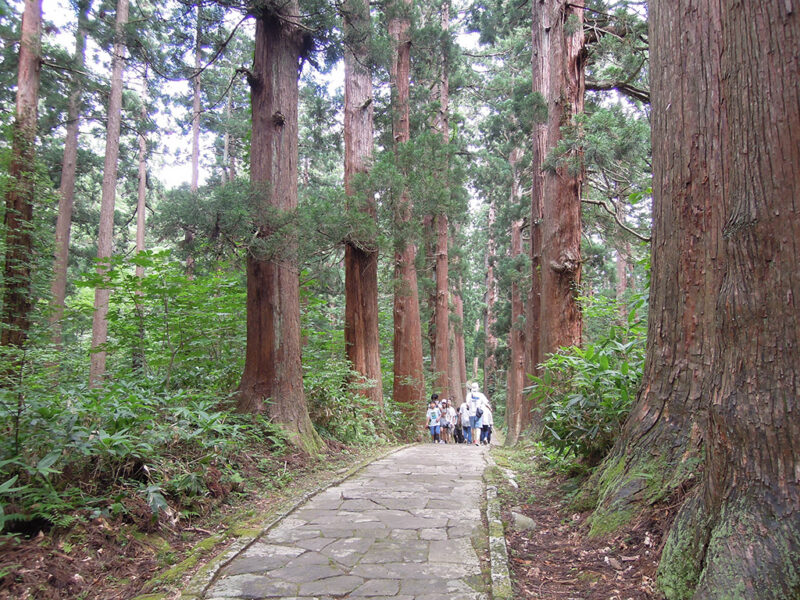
<point x="518" y="410"/>
<point x="198" y="61"/>
<point x="361" y="251"/>
<point x="561" y="208"/>
<point x="21" y="179"/>
<point x="490" y="347"/>
<point x="458" y="364"/>
<point x="66" y="190"/>
<point x="272" y="380"/>
<point x="105" y="238"/>
<point x="659" y="445"/>
<point x="409" y="382"/>
<point x="540" y="68"/>
<point x="739" y="536"/>
<point x="441" y="354"/>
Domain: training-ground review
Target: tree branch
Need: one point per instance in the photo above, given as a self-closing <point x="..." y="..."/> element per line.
<point x="614" y="214"/>
<point x="622" y="87"/>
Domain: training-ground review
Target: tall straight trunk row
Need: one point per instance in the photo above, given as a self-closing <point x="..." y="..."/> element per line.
<point x="409" y="383"/>
<point x="20" y="193"/>
<point x="105" y="235"/>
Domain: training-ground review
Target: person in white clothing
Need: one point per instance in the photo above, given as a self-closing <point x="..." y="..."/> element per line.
<point x="486" y="427"/>
<point x="463" y="412"/>
<point x="477" y="404"/>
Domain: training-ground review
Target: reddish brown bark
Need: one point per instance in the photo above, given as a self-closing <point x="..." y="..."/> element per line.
<point x="66" y="190"/>
<point x="458" y="365"/>
<point x="97" y="367"/>
<point x="441" y="347"/>
<point x="409" y="383"/>
<point x="540" y="69"/>
<point x="361" y="252"/>
<point x="272" y="380"/>
<point x="561" y="209"/>
<point x="490" y="346"/>
<point x="662" y="435"/>
<point x="518" y="409"/>
<point x="739" y="536"/>
<point x="20" y="193"/>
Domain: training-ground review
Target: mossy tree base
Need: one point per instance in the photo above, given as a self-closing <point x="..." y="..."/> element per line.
<point x="746" y="552"/>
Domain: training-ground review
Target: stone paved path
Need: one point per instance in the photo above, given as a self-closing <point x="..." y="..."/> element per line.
<point x="402" y="528"/>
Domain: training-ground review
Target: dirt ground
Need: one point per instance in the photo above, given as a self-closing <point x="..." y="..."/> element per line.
<point x="557" y="559"/>
<point x="114" y="559"/>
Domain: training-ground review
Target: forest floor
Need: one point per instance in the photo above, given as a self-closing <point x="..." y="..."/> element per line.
<point x="552" y="556"/>
<point x="119" y="558"/>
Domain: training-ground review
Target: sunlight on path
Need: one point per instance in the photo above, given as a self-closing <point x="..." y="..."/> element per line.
<point x="402" y="528"/>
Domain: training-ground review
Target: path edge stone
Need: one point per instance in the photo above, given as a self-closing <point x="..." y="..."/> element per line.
<point x="199" y="583"/>
<point x="498" y="552"/>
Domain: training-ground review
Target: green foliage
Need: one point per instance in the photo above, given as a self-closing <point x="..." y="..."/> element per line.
<point x="585" y="394"/>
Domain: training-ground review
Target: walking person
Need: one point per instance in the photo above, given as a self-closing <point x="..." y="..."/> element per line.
<point x="477" y="401"/>
<point x="433" y="420"/>
<point x="464" y="416"/>
<point x="448" y="421"/>
<point x="486" y="425"/>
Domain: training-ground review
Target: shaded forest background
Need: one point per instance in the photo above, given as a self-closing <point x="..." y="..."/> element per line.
<point x="384" y="202"/>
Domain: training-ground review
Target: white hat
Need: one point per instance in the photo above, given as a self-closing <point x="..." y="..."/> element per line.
<point x="475" y="387"/>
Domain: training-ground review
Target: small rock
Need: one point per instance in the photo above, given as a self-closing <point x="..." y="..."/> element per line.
<point x="523" y="523"/>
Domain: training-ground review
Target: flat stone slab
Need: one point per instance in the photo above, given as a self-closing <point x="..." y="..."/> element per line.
<point x="401" y="528"/>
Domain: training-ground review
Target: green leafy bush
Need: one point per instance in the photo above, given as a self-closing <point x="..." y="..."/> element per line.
<point x="585" y="394"/>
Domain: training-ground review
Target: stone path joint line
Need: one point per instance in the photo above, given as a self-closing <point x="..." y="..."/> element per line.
<point x="402" y="528"/>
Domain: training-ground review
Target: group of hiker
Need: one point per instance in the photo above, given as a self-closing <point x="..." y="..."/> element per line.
<point x="470" y="424"/>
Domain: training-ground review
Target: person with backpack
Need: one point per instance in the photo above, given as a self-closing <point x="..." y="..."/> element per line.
<point x="477" y="404"/>
<point x="464" y="416"/>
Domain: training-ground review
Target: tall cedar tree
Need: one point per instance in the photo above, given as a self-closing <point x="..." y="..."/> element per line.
<point x="490" y="345"/>
<point x="360" y="253"/>
<point x="661" y="437"/>
<point x="540" y="77"/>
<point x="518" y="407"/>
<point x="441" y="317"/>
<point x="20" y="193"/>
<point x="105" y="240"/>
<point x="69" y="166"/>
<point x="272" y="381"/>
<point x="560" y="315"/>
<point x="739" y="535"/>
<point x="409" y="382"/>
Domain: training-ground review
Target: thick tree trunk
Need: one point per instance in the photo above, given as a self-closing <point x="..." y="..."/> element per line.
<point x="105" y="236"/>
<point x="361" y="252"/>
<point x="540" y="68"/>
<point x="489" y="360"/>
<point x="561" y="210"/>
<point x="458" y="366"/>
<point x="18" y="219"/>
<point x="272" y="381"/>
<point x="66" y="190"/>
<point x="518" y="410"/>
<point x="659" y="445"/>
<point x="441" y="354"/>
<point x="739" y="536"/>
<point x="441" y="358"/>
<point x="409" y="383"/>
